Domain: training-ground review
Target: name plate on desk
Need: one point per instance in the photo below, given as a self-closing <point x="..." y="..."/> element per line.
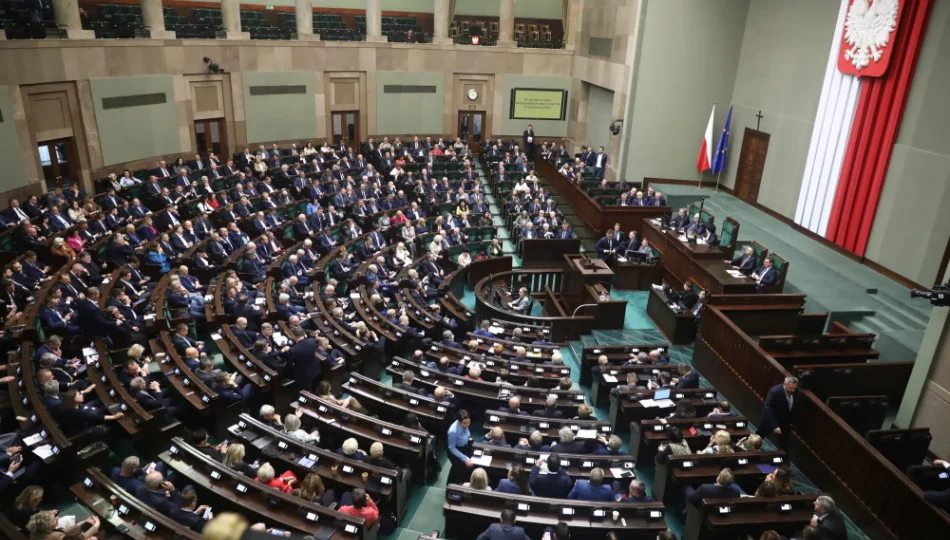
<point x="567" y="512"/>
<point x="687" y="464"/>
<point x="524" y="507"/>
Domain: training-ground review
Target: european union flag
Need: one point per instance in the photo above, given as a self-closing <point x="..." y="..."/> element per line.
<point x="719" y="160"/>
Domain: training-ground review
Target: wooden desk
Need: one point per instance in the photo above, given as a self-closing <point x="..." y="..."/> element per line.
<point x="678" y="327"/>
<point x="624" y="410"/>
<point x="541" y="252"/>
<point x="468" y="512"/>
<point x="96" y="490"/>
<point x="694" y="469"/>
<point x="637" y="276"/>
<point x="703" y="264"/>
<point x="407" y="447"/>
<point x="647" y="435"/>
<point x="577" y="466"/>
<point x="826" y="380"/>
<point x="233" y="490"/>
<point x="748" y="516"/>
<point x="518" y="426"/>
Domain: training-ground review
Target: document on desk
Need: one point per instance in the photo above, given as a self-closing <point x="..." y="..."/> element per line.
<point x="44" y="451"/>
<point x="610" y="378"/>
<point x="33" y="439"/>
<point x="648" y="403"/>
<point x="735" y="273"/>
<point x="665" y="403"/>
<point x="586" y="434"/>
<point x="483" y="460"/>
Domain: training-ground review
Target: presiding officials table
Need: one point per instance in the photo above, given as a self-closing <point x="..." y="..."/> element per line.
<point x="702" y="263"/>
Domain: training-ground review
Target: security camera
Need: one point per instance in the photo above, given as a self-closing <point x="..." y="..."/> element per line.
<point x="616" y="126"/>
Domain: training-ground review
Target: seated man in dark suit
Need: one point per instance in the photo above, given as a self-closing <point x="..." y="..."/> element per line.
<point x="553" y="483"/>
<point x="496" y="437"/>
<point x="550" y="409"/>
<point x="568" y="443"/>
<point x="724" y="488"/>
<point x="592" y="489"/>
<point x="158" y="493"/>
<point x="687" y="377"/>
<point x="189" y="513"/>
<point x="243" y="334"/>
<point x="505" y="529"/>
<point x="406" y="384"/>
<point x="514" y="407"/>
<point x="765" y="275"/>
<point x="636" y="493"/>
<point x="182" y="341"/>
<point x="828" y="520"/>
<point x="746" y="262"/>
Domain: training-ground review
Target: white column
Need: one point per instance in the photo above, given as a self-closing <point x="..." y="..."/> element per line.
<point x="441" y="14"/>
<point x="154" y="19"/>
<point x="374" y="22"/>
<point x="231" y="19"/>
<point x="67" y="19"/>
<point x="506" y="24"/>
<point x="305" y="21"/>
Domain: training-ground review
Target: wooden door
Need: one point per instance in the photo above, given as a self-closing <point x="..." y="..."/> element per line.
<point x="471" y="127"/>
<point x="346" y="127"/>
<point x="211" y="136"/>
<point x="59" y="162"/>
<point x="755" y="147"/>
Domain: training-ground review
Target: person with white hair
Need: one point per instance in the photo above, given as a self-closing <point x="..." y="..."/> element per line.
<point x="269" y="416"/>
<point x="351" y="449"/>
<point x="292" y="426"/>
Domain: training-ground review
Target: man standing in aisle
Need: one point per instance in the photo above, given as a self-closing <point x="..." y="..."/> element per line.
<point x="529" y="141"/>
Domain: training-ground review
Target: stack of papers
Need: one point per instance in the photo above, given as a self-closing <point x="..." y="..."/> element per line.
<point x="496" y="330"/>
<point x="648" y="403"/>
<point x="665" y="403"/>
<point x="735" y="273"/>
<point x="33" y="439"/>
<point x="610" y="378"/>
<point x="586" y="434"/>
<point x="44" y="451"/>
<point x="482" y="460"/>
<point x="306" y="462"/>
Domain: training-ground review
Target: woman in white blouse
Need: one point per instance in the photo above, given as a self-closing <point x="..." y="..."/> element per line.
<point x="402" y="256"/>
<point x="293" y="429"/>
<point x="464" y="259"/>
<point x="435" y="247"/>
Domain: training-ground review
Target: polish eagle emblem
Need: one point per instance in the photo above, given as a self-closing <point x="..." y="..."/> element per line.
<point x="867" y="29"/>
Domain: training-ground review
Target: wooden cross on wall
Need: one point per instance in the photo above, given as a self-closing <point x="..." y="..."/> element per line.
<point x="758" y="121"/>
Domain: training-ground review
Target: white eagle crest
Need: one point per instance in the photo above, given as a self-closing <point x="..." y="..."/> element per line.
<point x="867" y="30"/>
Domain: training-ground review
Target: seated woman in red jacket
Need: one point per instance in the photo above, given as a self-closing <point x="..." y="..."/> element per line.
<point x="284" y="482"/>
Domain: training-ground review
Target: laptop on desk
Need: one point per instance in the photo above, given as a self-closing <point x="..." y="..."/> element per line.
<point x="662" y="393"/>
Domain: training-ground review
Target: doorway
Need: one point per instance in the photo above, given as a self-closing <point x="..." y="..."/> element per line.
<point x="211" y="135"/>
<point x="755" y="147"/>
<point x="58" y="159"/>
<point x="470" y="127"/>
<point x="346" y="127"/>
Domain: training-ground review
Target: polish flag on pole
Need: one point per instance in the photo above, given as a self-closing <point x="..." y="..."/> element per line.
<point x="704" y="159"/>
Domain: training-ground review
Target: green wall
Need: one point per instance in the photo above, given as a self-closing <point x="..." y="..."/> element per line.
<point x="279" y="117"/>
<point x="600" y="104"/>
<point x="544" y="128"/>
<point x="911" y="228"/>
<point x="688" y="60"/>
<point x="409" y="113"/>
<point x="14" y="173"/>
<point x="535" y="9"/>
<point x="781" y="70"/>
<point x="131" y="133"/>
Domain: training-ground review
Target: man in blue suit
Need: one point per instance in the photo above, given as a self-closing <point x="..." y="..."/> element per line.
<point x="505" y="530"/>
<point x="555" y="483"/>
<point x="592" y="489"/>
<point x="764" y="275"/>
<point x="607" y="247"/>
<point x="252" y="265"/>
<point x="746" y="262"/>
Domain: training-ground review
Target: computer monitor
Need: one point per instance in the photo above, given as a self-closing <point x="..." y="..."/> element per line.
<point x="662" y="393"/>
